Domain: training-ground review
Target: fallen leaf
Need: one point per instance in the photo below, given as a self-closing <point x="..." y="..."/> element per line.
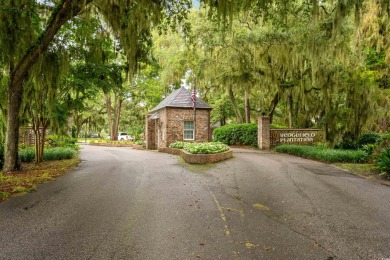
<point x="260" y="207"/>
<point x="249" y="245"/>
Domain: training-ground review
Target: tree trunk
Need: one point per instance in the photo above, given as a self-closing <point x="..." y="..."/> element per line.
<point x="39" y="144"/>
<point x="113" y="133"/>
<point x="15" y="93"/>
<point x="117" y="113"/>
<point x="234" y="105"/>
<point x="247" y="106"/>
<point x="78" y="122"/>
<point x="273" y="106"/>
<point x="65" y="11"/>
<point x="114" y="114"/>
<point x="43" y="136"/>
<point x="37" y="140"/>
<point x="290" y="109"/>
<point x="315" y="11"/>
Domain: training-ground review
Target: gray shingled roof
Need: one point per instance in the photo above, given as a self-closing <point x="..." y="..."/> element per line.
<point x="180" y="98"/>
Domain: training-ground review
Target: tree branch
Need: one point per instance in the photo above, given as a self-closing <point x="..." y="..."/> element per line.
<point x="66" y="10"/>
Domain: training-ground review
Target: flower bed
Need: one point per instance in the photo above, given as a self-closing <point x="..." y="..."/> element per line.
<point x="201" y="148"/>
<point x="199" y="153"/>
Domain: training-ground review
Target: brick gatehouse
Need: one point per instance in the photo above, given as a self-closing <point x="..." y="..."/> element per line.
<point x="174" y="119"/>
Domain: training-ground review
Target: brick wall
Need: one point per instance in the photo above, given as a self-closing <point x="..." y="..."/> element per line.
<point x="175" y="124"/>
<point x="169" y="126"/>
<point x="150" y="133"/>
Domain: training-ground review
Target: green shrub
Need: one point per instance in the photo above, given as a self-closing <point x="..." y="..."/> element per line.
<point x="369" y="138"/>
<point x="3" y="195"/>
<point x="383" y="162"/>
<point x="27" y="154"/>
<point x="325" y="154"/>
<point x="385" y="141"/>
<point x="201" y="148"/>
<point x="346" y="145"/>
<point x="177" y="145"/>
<point x="206" y="148"/>
<point x="61" y="141"/>
<point x="347" y="142"/>
<point x="56" y="153"/>
<point x="369" y="148"/>
<point x="237" y="134"/>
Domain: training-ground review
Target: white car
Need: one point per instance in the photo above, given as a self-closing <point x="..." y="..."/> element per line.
<point x="125" y="136"/>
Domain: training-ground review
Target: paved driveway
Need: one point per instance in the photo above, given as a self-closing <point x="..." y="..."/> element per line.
<point x="128" y="204"/>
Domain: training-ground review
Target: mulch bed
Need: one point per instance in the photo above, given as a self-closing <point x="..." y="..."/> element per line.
<point x="31" y="175"/>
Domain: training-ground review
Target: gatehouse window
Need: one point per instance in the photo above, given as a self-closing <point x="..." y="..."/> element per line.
<point x="189" y="130"/>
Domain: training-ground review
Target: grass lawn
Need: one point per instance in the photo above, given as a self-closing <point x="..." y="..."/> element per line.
<point x="32" y="175"/>
<point x="366" y="170"/>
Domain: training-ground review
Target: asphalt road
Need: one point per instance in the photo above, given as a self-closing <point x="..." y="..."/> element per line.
<point x="129" y="204"/>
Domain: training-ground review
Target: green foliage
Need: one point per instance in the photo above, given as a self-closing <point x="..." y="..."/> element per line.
<point x="59" y="153"/>
<point x="22" y="189"/>
<point x="385" y="142"/>
<point x="324" y="154"/>
<point x="55" y="153"/>
<point x="62" y="141"/>
<point x="237" y="134"/>
<point x="4" y="195"/>
<point x="27" y="154"/>
<point x="201" y="148"/>
<point x="206" y="148"/>
<point x="369" y="148"/>
<point x="346" y="145"/>
<point x="366" y="141"/>
<point x="383" y="162"/>
<point x="177" y="145"/>
<point x="369" y="138"/>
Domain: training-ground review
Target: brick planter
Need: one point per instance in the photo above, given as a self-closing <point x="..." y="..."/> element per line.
<point x="135" y="146"/>
<point x="111" y="145"/>
<point x="173" y="151"/>
<point x="198" y="158"/>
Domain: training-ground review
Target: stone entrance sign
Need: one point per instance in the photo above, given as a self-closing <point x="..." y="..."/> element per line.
<point x="268" y="138"/>
<point x="295" y="136"/>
